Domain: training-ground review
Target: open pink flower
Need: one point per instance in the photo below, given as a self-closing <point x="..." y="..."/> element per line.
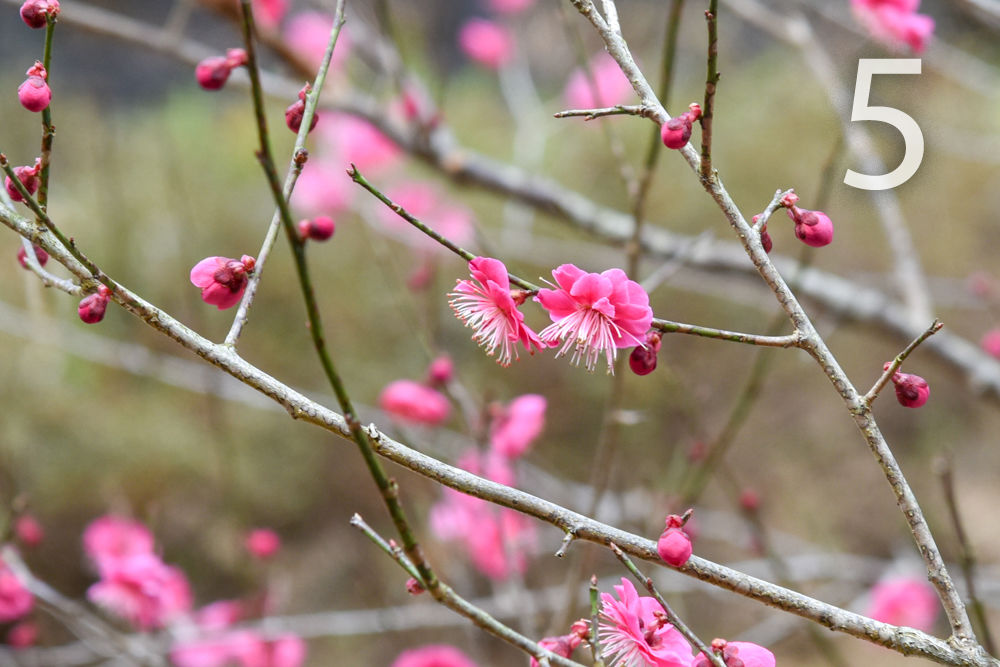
<point x="143" y="590"/>
<point x="112" y="538"/>
<point x="222" y="280"/>
<point x="413" y="402"/>
<point x="612" y="86"/>
<point x="895" y="22"/>
<point x="487" y="304"/>
<point x="486" y="42"/>
<point x="634" y="631"/>
<point x="516" y="426"/>
<point x="744" y="654"/>
<point x="594" y="313"/>
<point x="433" y="655"/>
<point x="904" y="601"/>
<point x="15" y="600"/>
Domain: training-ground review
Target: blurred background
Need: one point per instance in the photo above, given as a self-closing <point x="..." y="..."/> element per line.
<point x="151" y="174"/>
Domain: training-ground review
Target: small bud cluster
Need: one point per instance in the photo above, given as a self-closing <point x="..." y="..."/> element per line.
<point x="813" y="228"/>
<point x="674" y="545"/>
<point x="212" y="73"/>
<point x="912" y="391"/>
<point x="676" y="131"/>
<point x="296" y="110"/>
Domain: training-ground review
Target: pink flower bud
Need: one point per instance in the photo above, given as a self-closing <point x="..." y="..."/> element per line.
<point x="319" y="228"/>
<point x="263" y="543"/>
<point x="34" y="93"/>
<point x="642" y="361"/>
<point x="488" y="43"/>
<point x="694" y="111"/>
<point x="29" y="532"/>
<point x="441" y="371"/>
<point x="765" y="239"/>
<point x="23" y="635"/>
<point x="676" y="132"/>
<point x="911" y="390"/>
<point x="29" y="179"/>
<point x="212" y="73"/>
<point x="414" y="587"/>
<point x="789" y="200"/>
<point x="294" y="113"/>
<point x="674" y="545"/>
<point x="236" y="58"/>
<point x="813" y="228"/>
<point x="92" y="307"/>
<point x="40" y="255"/>
<point x="35" y="13"/>
<point x="749" y="500"/>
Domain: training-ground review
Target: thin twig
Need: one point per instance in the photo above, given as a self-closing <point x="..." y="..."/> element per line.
<point x="48" y="129"/>
<point x="898" y="361"/>
<point x="791" y="340"/>
<point x="711" y="81"/>
<point x="617" y="110"/>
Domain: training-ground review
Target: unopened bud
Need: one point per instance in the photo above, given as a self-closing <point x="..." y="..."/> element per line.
<point x="642" y="361"/>
<point x="414" y="587"/>
<point x="35" y="94"/>
<point x="35" y="13"/>
<point x="40" y="255"/>
<point x="319" y="228"/>
<point x="93" y="306"/>
<point x="29" y="179"/>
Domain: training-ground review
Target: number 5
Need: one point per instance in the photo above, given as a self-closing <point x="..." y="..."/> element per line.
<point x="913" y="138"/>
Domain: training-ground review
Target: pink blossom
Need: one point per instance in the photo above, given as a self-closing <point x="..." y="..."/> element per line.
<point x="895" y="23"/>
<point x="263" y="543"/>
<point x="143" y="590"/>
<point x="219" y="615"/>
<point x="354" y="140"/>
<point x="562" y="646"/>
<point x="612" y="86"/>
<point x="433" y="655"/>
<point x="634" y="631"/>
<point x="322" y="188"/>
<point x="93" y="306"/>
<point x="112" y="538"/>
<point x="268" y="13"/>
<point x="222" y="280"/>
<point x="642" y="361"/>
<point x="308" y="33"/>
<point x="510" y="6"/>
<point x="424" y="203"/>
<point x="23" y="635"/>
<point x="912" y="391"/>
<point x="486" y="42"/>
<point x="487" y="305"/>
<point x="28" y="530"/>
<point x="813" y="228"/>
<point x="904" y="601"/>
<point x="319" y="228"/>
<point x="212" y="73"/>
<point x="244" y="648"/>
<point x="676" y="131"/>
<point x="15" y="599"/>
<point x="594" y="313"/>
<point x="441" y="371"/>
<point x="28" y="177"/>
<point x="413" y="402"/>
<point x="990" y="342"/>
<point x="40" y="255"/>
<point x="517" y="425"/>
<point x="744" y="654"/>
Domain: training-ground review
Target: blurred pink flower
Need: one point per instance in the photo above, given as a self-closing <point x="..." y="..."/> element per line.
<point x="423" y="202"/>
<point x="15" y="600"/>
<point x="433" y="655"/>
<point x="219" y="615"/>
<point x="23" y="635"/>
<point x="498" y="541"/>
<point x="486" y="42"/>
<point x="905" y="601"/>
<point x="413" y="402"/>
<point x="354" y="140"/>
<point x="990" y="343"/>
<point x="487" y="304"/>
<point x="143" y="590"/>
<point x="441" y="371"/>
<point x="612" y="86"/>
<point x="110" y="538"/>
<point x="28" y="530"/>
<point x="634" y="631"/>
<point x="245" y="648"/>
<point x="517" y="425"/>
<point x="510" y="6"/>
<point x="307" y="34"/>
<point x="263" y="543"/>
<point x="594" y="313"/>
<point x="323" y="188"/>
<point x="222" y="280"/>
<point x="895" y="22"/>
<point x="268" y="13"/>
